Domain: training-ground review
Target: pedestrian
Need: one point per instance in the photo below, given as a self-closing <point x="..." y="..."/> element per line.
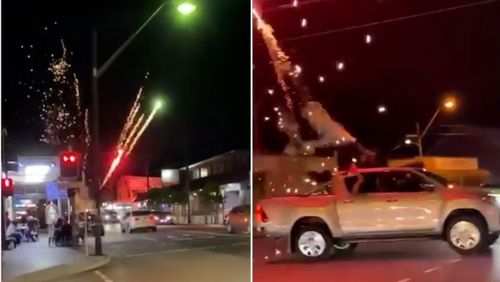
<point x="32" y="233"/>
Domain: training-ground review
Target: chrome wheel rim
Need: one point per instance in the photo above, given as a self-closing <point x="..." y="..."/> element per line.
<point x="311" y="244"/>
<point x="465" y="235"/>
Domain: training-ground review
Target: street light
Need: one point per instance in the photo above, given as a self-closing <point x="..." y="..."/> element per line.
<point x="448" y="104"/>
<point x="186" y="8"/>
<point x="183" y="8"/>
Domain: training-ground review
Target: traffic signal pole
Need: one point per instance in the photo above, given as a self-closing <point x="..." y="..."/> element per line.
<point x="95" y="145"/>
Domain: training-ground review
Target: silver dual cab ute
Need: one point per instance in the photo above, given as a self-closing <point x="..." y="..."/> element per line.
<point x="381" y="204"/>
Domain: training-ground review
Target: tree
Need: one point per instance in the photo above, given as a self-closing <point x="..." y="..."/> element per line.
<point x="212" y="198"/>
<point x="167" y="196"/>
<point x="211" y="195"/>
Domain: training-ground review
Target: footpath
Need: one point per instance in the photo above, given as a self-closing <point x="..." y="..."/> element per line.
<point x="36" y="262"/>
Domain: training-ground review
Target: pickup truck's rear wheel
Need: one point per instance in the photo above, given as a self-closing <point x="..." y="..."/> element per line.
<point x="344" y="248"/>
<point x="313" y="242"/>
<point x="467" y="234"/>
<point x="492" y="238"/>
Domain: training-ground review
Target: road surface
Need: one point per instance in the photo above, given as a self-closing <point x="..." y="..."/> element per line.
<point x="410" y="261"/>
<point x="173" y="253"/>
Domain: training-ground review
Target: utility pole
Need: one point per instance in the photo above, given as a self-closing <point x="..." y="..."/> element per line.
<point x="419" y="141"/>
<point x="4" y="168"/>
<point x="187" y="176"/>
<point x="96" y="146"/>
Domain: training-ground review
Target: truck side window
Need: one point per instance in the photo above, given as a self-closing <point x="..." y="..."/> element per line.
<point x="401" y="181"/>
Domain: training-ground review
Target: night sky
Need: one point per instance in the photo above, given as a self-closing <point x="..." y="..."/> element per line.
<point x="200" y="64"/>
<point x="408" y="66"/>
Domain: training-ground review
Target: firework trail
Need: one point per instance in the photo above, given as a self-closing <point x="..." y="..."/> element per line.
<point x="133" y="131"/>
<point x="281" y="62"/>
<point x="143" y="128"/>
<point x="130" y="118"/>
<point x="329" y="131"/>
<point x="114" y="165"/>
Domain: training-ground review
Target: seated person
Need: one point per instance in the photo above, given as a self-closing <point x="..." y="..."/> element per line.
<point x="66" y="231"/>
<point x="58" y="237"/>
<point x="12" y="232"/>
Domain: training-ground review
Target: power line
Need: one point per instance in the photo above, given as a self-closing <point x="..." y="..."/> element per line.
<point x="391" y="20"/>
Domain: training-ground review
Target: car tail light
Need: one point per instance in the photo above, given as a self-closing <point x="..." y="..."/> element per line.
<point x="260" y="215"/>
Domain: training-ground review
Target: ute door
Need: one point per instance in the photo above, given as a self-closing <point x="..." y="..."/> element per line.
<point x="365" y="212"/>
<point x="413" y="203"/>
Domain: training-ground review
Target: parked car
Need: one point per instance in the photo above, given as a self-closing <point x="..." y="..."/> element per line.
<point x="238" y="219"/>
<point x="136" y="220"/>
<point x="163" y="218"/>
<point x="380" y="204"/>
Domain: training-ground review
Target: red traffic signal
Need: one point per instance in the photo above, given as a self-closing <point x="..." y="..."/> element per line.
<point x="7" y="186"/>
<point x="69" y="162"/>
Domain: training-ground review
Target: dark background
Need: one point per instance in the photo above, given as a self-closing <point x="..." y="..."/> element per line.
<point x="199" y="64"/>
<point x="409" y="66"/>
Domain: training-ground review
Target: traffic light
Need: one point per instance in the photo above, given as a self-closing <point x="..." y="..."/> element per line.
<point x="7" y="187"/>
<point x="69" y="163"/>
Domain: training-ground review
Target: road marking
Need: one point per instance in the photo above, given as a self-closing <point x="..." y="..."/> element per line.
<point x="240" y="244"/>
<point x="214" y="233"/>
<point x="175" y="251"/>
<point x="149" y="239"/>
<point x="138" y="255"/>
<point x="455" y="260"/>
<point x="102" y="276"/>
<point x="206" y="248"/>
<point x="404" y="280"/>
<point x="182" y="239"/>
<point x="429" y="270"/>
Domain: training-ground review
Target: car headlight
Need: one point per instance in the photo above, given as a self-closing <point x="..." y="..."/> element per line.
<point x="168" y="218"/>
<point x="106" y="217"/>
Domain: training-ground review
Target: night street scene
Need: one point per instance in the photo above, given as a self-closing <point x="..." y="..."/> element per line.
<point x="376" y="152"/>
<point x="126" y="141"/>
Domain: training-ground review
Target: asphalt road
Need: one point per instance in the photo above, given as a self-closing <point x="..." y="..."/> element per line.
<point x="173" y="253"/>
<point x="410" y="261"/>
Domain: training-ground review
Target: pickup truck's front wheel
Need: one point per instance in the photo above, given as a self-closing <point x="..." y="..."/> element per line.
<point x="313" y="242"/>
<point x="467" y="234"/>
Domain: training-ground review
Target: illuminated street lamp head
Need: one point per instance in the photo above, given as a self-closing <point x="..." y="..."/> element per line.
<point x="186" y="8"/>
<point x="158" y="104"/>
<point x="450" y="104"/>
<point x="407" y="141"/>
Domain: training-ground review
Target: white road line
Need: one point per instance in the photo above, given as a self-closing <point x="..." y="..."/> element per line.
<point x="429" y="270"/>
<point x="455" y="260"/>
<point x="206" y="248"/>
<point x="182" y="239"/>
<point x="175" y="251"/>
<point x="138" y="255"/>
<point x="149" y="239"/>
<point x="214" y="233"/>
<point x="102" y="276"/>
<point x="404" y="280"/>
<point x="240" y="244"/>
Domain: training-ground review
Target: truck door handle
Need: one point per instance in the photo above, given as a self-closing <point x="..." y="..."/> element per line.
<point x="391" y="200"/>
